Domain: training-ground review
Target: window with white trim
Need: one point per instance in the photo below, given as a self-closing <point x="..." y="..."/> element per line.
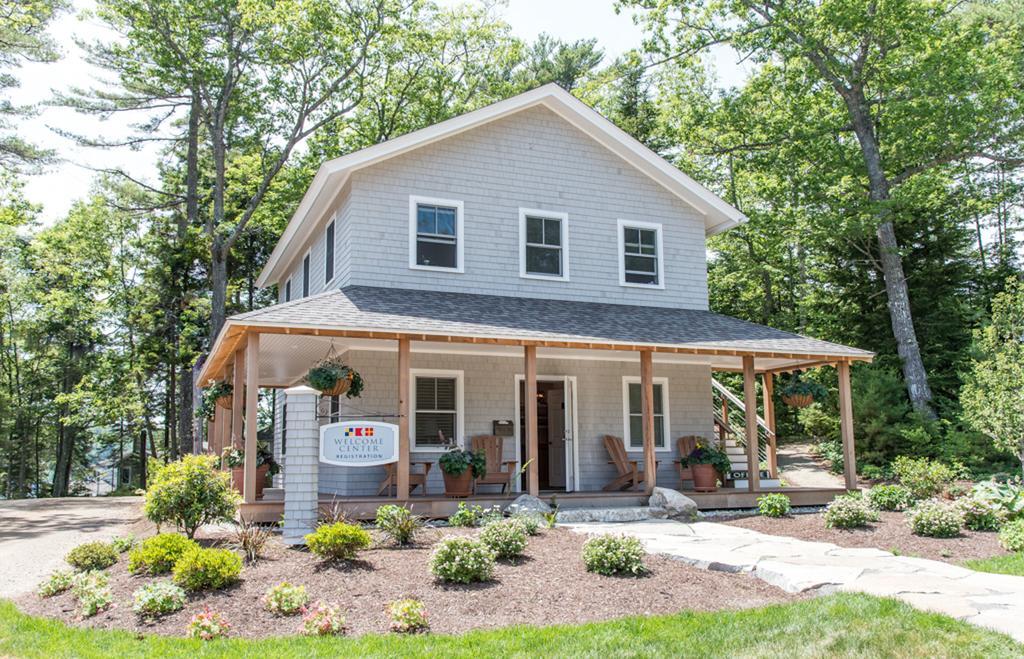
<point x="632" y="412"/>
<point x="435" y="234"/>
<point x="543" y="244"/>
<point x="305" y="276"/>
<point x="436" y="409"/>
<point x="288" y="290"/>
<point x="640" y="257"/>
<point x="329" y="254"/>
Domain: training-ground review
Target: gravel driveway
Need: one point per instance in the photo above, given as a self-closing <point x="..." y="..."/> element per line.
<point x="36" y="534"/>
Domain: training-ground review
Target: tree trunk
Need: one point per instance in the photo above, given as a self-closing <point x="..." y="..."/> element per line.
<point x="218" y="288"/>
<point x="185" y="437"/>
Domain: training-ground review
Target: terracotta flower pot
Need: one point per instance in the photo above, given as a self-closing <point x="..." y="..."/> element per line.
<point x="798" y="400"/>
<point x="340" y="387"/>
<point x="458" y="486"/>
<point x="705" y="478"/>
<point x="238" y="479"/>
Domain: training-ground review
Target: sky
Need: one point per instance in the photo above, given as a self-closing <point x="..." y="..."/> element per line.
<point x="70" y="179"/>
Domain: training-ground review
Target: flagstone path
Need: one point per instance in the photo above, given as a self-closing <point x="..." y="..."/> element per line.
<point x="995" y="601"/>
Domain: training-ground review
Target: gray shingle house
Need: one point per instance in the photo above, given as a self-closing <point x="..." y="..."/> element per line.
<point x="526" y="271"/>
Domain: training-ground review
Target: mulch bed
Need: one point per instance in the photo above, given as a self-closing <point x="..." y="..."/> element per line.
<point x="891" y="533"/>
<point x="548" y="585"/>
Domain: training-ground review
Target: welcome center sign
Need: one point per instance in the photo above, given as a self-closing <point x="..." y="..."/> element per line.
<point x="359" y="443"/>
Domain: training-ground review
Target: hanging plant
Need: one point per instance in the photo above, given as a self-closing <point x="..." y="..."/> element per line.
<point x="332" y="377"/>
<point x="801" y="393"/>
<point x="218" y="393"/>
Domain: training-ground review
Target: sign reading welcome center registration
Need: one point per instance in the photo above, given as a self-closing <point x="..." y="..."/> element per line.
<point x="359" y="443"/>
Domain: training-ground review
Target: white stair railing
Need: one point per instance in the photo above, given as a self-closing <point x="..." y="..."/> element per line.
<point x="731" y="414"/>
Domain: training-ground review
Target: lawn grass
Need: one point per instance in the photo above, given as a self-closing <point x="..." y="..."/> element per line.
<point x="833" y="626"/>
<point x="1005" y="564"/>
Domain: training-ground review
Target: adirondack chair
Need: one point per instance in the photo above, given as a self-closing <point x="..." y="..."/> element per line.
<point x="686" y="445"/>
<point x="499" y="472"/>
<point x="390" y="480"/>
<point x="629" y="474"/>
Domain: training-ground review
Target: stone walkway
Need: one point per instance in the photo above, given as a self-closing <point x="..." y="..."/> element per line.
<point x="995" y="601"/>
<point x="799" y="468"/>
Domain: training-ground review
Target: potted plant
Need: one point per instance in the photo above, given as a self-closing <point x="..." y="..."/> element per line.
<point x="234" y="458"/>
<point x="801" y="393"/>
<point x="460" y="467"/>
<point x="218" y="393"/>
<point x="332" y="377"/>
<point x="708" y="463"/>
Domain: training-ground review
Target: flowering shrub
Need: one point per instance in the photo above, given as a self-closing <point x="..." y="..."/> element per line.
<point x="935" y="519"/>
<point x="56" y="583"/>
<point x="208" y="625"/>
<point x="284" y="599"/>
<point x="207" y="569"/>
<point x="157" y="599"/>
<point x="338" y="541"/>
<point x="408" y="616"/>
<point x="775" y="504"/>
<point x="157" y="555"/>
<point x="507" y="538"/>
<point x="614" y="554"/>
<point x="123" y="543"/>
<point x="531" y="521"/>
<point x="889" y="497"/>
<point x="1011" y="537"/>
<point x="92" y="590"/>
<point x="91" y="556"/>
<point x="980" y="515"/>
<point x="848" y="512"/>
<point x="323" y="620"/>
<point x="398" y="523"/>
<point x="923" y="477"/>
<point x="462" y="560"/>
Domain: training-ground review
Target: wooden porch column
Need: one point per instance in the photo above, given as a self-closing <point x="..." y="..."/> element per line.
<point x="846" y="426"/>
<point x="768" y="380"/>
<point x="530" y="406"/>
<point x="647" y="417"/>
<point x="211" y="431"/>
<point x="238" y="399"/>
<point x="404" y="397"/>
<point x="252" y="392"/>
<point x="750" y="414"/>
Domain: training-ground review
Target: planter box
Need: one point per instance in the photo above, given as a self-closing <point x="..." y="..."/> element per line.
<point x="238" y="479"/>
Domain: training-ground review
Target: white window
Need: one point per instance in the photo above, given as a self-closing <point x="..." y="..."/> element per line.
<point x="436" y="409"/>
<point x="640" y="255"/>
<point x="543" y="244"/>
<point x="435" y="234"/>
<point x="305" y="276"/>
<point x="329" y="254"/>
<point x="288" y="290"/>
<point x="632" y="414"/>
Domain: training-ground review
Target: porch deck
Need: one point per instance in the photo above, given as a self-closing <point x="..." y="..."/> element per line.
<point x="436" y="507"/>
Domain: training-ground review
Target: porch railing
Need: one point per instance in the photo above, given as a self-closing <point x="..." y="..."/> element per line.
<point x="731" y="416"/>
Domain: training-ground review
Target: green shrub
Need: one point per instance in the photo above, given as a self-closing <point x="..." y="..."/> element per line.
<point x="1011" y="536"/>
<point x="469" y="516"/>
<point x="189" y="493"/>
<point x="285" y="599"/>
<point x="831" y="451"/>
<point x="338" y="541"/>
<point x="507" y="538"/>
<point x="848" y="512"/>
<point x="123" y="543"/>
<point x="889" y="497"/>
<point x="92" y="556"/>
<point x="923" y="477"/>
<point x="398" y="523"/>
<point x="323" y="620"/>
<point x="614" y="554"/>
<point x="157" y="599"/>
<point x="158" y="554"/>
<point x="462" y="560"/>
<point x="208" y="625"/>
<point x="92" y="590"/>
<point x="56" y="583"/>
<point x="935" y="519"/>
<point x="980" y="515"/>
<point x="408" y="616"/>
<point x="207" y="569"/>
<point x="531" y="521"/>
<point x="956" y="490"/>
<point x="775" y="504"/>
<point x="1008" y="497"/>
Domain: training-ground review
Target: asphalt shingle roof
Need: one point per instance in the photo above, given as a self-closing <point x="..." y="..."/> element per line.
<point x="492" y="316"/>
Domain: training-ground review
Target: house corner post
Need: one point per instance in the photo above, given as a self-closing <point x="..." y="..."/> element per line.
<point x="301" y="474"/>
<point x="846" y="426"/>
<point x="647" y="415"/>
<point x="750" y="416"/>
<point x="530" y="407"/>
<point x="768" y="391"/>
<point x="404" y="396"/>
<point x="252" y="392"/>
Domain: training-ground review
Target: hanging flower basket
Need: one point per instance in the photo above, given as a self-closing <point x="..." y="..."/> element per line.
<point x="332" y="377"/>
<point x="797" y="400"/>
<point x="216" y="395"/>
<point x="801" y="393"/>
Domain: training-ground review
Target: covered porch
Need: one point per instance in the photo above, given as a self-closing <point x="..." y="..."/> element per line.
<point x="511" y="353"/>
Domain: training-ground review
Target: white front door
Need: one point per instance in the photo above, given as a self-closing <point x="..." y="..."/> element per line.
<point x="569" y="423"/>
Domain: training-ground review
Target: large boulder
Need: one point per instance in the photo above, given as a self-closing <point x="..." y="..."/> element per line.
<point x="671" y="504"/>
<point x="526" y="503"/>
<point x="621" y="514"/>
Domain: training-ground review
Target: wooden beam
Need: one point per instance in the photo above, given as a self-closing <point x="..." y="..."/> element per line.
<point x="530" y="405"/>
<point x="846" y="426"/>
<point x="750" y="403"/>
<point x="647" y="417"/>
<point x="238" y="399"/>
<point x="404" y="398"/>
<point x="768" y="389"/>
<point x="252" y="392"/>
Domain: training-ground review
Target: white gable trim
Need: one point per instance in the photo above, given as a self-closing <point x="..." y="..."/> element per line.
<point x="332" y="175"/>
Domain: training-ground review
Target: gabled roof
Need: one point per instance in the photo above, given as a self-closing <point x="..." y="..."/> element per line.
<point x="718" y="215"/>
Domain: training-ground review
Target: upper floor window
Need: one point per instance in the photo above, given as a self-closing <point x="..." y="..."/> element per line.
<point x="640" y="257"/>
<point x="436" y="409"/>
<point x="288" y="290"/>
<point x="435" y="234"/>
<point x="305" y="276"/>
<point x="329" y="258"/>
<point x="632" y="403"/>
<point x="543" y="244"/>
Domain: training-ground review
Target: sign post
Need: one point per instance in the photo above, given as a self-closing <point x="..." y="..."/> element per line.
<point x="359" y="443"/>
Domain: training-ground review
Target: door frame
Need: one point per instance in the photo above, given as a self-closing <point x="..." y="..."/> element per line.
<point x="572" y="392"/>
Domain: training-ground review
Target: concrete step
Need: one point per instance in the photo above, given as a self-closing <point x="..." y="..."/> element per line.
<point x="765" y="482"/>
